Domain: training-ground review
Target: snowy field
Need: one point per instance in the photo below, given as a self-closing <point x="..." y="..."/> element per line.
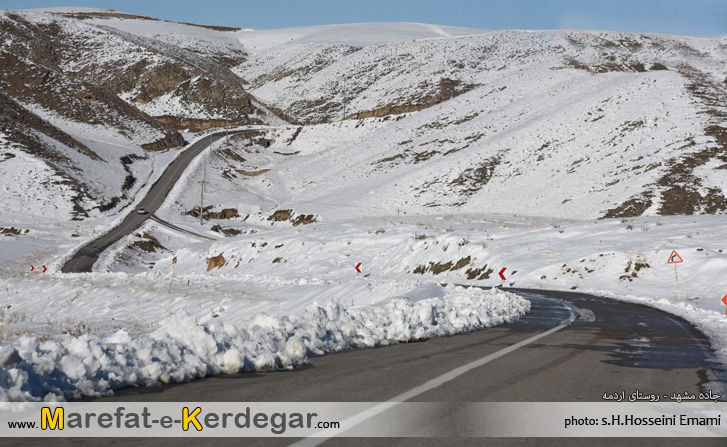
<point x="270" y="299"/>
<point x="277" y="293"/>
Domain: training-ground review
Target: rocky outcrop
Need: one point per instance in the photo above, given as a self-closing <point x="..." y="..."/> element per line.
<point x="287" y="215"/>
<point x="280" y="215"/>
<point x="227" y="213"/>
<point x="12" y="231"/>
<point x="304" y="219"/>
<point x="191" y="124"/>
<point x="168" y="142"/>
<point x="21" y="126"/>
<point x="443" y="91"/>
<point x="148" y="244"/>
<point x="226" y="231"/>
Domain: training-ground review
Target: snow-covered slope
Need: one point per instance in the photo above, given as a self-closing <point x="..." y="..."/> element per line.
<point x="579" y="123"/>
<point x="437" y="119"/>
<point x="89" y="112"/>
<point x="353" y="34"/>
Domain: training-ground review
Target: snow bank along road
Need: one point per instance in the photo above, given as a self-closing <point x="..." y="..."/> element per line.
<point x="609" y="346"/>
<point x="84" y="259"/>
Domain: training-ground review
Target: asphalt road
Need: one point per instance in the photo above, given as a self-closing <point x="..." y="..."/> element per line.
<point x="575" y="364"/>
<point x="605" y="350"/>
<point x="84" y="259"/>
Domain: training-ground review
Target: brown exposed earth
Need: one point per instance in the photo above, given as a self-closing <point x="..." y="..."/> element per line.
<point x="12" y="231"/>
<point x="149" y="243"/>
<point x="226" y="231"/>
<point x="281" y="215"/>
<point x="287" y="215"/>
<point x="170" y="141"/>
<point x="191" y="124"/>
<point x="216" y="262"/>
<point x="227" y="213"/>
<point x="632" y="207"/>
<point x="255" y="138"/>
<point x="443" y="91"/>
<point x="252" y="173"/>
<point x="437" y="268"/>
<point x="304" y="219"/>
<point x="96" y="15"/>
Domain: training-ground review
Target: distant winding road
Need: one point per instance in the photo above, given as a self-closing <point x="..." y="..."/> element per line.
<point x="83" y="259"/>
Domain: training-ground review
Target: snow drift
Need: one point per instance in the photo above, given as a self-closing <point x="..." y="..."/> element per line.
<point x="181" y="349"/>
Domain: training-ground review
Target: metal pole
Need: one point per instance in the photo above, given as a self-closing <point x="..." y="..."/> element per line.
<point x="677" y="278"/>
<point x="201" y="191"/>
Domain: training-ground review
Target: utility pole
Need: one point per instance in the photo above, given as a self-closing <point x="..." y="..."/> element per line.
<point x="201" y="190"/>
<point x="227" y="131"/>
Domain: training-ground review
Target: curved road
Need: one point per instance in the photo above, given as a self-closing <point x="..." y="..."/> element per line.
<point x="83" y="259"/>
<point x="572" y="347"/>
<point x="604" y="345"/>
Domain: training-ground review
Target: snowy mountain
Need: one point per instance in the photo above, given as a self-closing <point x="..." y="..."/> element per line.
<point x="421" y="118"/>
<point x="92" y="105"/>
<point x="418" y="154"/>
<point x="579" y="124"/>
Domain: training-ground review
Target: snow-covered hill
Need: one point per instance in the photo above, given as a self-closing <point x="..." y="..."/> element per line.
<point x="416" y="118"/>
<point x="93" y="105"/>
<point x="580" y="124"/>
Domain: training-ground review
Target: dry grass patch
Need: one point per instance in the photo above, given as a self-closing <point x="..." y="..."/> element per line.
<point x="216" y="262"/>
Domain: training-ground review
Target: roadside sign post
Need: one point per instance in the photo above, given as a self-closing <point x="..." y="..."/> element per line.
<point x="676" y="277"/>
<point x="724" y="300"/>
<point x="675" y="259"/>
<point x="502" y="276"/>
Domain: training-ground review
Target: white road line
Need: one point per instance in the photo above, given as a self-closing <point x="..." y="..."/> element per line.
<point x="347" y="424"/>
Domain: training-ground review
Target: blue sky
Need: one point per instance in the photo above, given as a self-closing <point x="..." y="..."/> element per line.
<point x="697" y="17"/>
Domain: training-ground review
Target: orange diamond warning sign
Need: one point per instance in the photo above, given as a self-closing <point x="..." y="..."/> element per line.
<point x="674" y="258"/>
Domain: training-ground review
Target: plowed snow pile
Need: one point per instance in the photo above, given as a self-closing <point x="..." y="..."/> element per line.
<point x="180" y="349"/>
